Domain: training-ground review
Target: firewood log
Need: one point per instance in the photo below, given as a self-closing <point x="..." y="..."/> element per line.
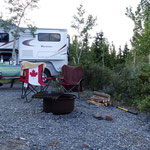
<point x="105" y="104"/>
<point x="101" y="94"/>
<point x="98" y="98"/>
<point x="99" y="101"/>
<point x="94" y="102"/>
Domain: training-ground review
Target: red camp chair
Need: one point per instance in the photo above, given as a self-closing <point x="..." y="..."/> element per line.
<point x="31" y="80"/>
<point x="71" y="79"/>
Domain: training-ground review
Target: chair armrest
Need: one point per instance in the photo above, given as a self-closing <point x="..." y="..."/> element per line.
<point x="23" y="79"/>
<point x="59" y="79"/>
<point x="49" y="78"/>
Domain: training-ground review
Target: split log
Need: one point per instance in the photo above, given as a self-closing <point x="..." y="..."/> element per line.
<point x="99" y="99"/>
<point x="101" y="94"/>
<point x="94" y="102"/>
<point x="106" y="104"/>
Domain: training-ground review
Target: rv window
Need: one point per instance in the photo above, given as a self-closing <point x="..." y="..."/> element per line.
<point x="43" y="37"/>
<point x="50" y="37"/>
<point x="55" y="37"/>
<point x="4" y="37"/>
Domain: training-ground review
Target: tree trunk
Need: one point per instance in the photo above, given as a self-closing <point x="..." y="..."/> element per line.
<point x="149" y="58"/>
<point x="74" y="61"/>
<point x="14" y="53"/>
<point x="134" y="59"/>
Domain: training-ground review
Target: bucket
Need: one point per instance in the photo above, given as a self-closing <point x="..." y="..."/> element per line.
<point x="64" y="104"/>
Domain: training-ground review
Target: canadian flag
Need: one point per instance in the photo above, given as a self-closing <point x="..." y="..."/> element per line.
<point x="34" y="76"/>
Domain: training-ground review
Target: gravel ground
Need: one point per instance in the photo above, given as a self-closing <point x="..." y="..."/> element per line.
<point x="24" y="126"/>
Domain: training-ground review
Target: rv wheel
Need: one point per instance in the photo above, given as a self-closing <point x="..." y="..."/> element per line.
<point x="45" y="75"/>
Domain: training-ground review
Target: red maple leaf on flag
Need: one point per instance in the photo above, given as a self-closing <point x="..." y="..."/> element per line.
<point x="33" y="73"/>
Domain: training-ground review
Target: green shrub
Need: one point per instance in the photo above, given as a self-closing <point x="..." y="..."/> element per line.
<point x="128" y="84"/>
<point x="132" y="86"/>
<point x="95" y="76"/>
<point x="145" y="104"/>
<point x="124" y="83"/>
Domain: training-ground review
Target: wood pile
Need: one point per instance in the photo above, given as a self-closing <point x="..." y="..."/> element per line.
<point x="100" y="99"/>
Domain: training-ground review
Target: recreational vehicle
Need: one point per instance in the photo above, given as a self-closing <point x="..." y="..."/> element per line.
<point x="46" y="45"/>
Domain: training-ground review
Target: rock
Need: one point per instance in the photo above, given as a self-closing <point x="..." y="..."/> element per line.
<point x="109" y="118"/>
<point x="98" y="116"/>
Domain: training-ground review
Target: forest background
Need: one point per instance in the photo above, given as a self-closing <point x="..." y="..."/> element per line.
<point x="123" y="73"/>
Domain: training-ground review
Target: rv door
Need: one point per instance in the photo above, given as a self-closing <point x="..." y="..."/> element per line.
<point x="27" y="47"/>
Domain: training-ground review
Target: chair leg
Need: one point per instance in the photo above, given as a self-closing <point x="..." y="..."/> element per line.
<point x="78" y="91"/>
<point x="25" y="92"/>
<point x="71" y="90"/>
<point x="22" y="91"/>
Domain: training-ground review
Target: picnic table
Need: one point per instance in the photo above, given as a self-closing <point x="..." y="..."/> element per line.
<point x="10" y="72"/>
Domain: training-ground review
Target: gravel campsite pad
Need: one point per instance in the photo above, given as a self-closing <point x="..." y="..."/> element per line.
<point x="24" y="126"/>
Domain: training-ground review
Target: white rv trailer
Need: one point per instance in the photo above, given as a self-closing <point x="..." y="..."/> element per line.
<point x="47" y="45"/>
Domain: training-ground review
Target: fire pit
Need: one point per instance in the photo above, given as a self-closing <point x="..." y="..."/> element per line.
<point x="57" y="103"/>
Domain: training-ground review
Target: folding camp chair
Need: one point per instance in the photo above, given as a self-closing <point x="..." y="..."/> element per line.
<point x="71" y="79"/>
<point x="31" y="78"/>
